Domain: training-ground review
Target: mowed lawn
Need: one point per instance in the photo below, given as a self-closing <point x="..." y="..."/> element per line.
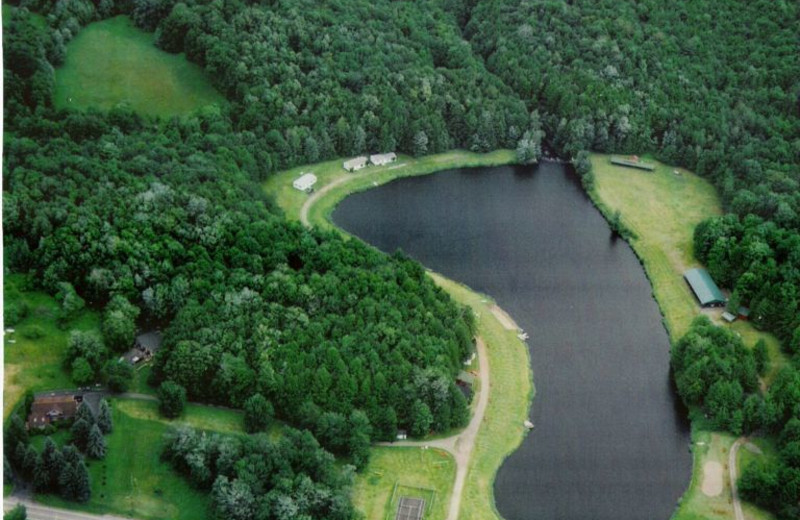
<point x="35" y="350"/>
<point x="113" y="63"/>
<point x="663" y="208"/>
<point x="397" y="471"/>
<point x="132" y="480"/>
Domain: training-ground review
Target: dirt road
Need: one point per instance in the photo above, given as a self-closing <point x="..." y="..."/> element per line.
<point x="461" y="445"/>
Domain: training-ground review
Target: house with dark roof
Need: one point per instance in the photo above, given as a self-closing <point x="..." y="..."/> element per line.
<point x="704" y="288"/>
<point x="49" y="409"/>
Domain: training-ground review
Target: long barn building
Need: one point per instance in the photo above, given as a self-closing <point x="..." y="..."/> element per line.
<point x="704" y="288"/>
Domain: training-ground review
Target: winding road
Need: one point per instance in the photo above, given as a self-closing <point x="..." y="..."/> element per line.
<point x="461" y="445"/>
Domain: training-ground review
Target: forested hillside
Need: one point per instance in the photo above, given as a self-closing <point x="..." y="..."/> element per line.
<point x="162" y="219"/>
<point x="116" y="210"/>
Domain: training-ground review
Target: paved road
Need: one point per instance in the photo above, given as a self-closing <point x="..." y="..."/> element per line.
<point x="461" y="445"/>
<point x="40" y="512"/>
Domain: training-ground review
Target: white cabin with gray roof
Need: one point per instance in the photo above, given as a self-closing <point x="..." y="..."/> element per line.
<point x="380" y="159"/>
<point x="355" y="164"/>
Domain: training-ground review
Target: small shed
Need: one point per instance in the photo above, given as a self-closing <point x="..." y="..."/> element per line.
<point x="305" y="182"/>
<point x="383" y="158"/>
<point x="355" y="164"/>
<point x="704" y="288"/>
<point x="744" y="313"/>
<point x="728" y="317"/>
<point x="632" y="162"/>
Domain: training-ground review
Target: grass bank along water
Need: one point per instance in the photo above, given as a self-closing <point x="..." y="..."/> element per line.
<point x="509" y="363"/>
<point x="112" y="63"/>
<point x="662" y="208"/>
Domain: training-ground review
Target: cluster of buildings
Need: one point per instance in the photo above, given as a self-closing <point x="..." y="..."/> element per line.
<point x="307" y="180"/>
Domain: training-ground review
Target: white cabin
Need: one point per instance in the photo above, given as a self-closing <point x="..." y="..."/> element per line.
<point x="305" y="182"/>
<point x="355" y="164"/>
<point x="383" y="158"/>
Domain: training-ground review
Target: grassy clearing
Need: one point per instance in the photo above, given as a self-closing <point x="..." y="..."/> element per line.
<point x="512" y="387"/>
<point x="663" y="208"/>
<point x="33" y="361"/>
<point x="209" y="418"/>
<point x="113" y="63"/>
<point x="291" y="200"/>
<point x="132" y="481"/>
<point x="404" y="468"/>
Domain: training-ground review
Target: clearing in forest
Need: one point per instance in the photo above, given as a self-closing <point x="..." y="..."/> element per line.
<point x="112" y="63"/>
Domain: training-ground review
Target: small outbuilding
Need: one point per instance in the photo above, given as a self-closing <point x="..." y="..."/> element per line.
<point x="305" y="182"/>
<point x="632" y="162"/>
<point x="383" y="158"/>
<point x="744" y="313"/>
<point x="148" y="343"/>
<point x="728" y="317"/>
<point x="704" y="288"/>
<point x="402" y="435"/>
<point x="355" y="164"/>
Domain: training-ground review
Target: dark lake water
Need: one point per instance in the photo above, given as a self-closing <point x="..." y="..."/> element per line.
<point x="610" y="441"/>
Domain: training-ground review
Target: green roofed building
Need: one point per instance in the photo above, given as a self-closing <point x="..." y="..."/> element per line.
<point x="704" y="288"/>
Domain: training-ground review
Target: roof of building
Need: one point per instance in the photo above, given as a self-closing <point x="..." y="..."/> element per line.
<point x="727" y="316"/>
<point x="149" y="340"/>
<point x="744" y="311"/>
<point x="703" y="286"/>
<point x="356" y="162"/>
<point x="632" y="162"/>
<point x="380" y="158"/>
<point x="46" y="408"/>
<point x="305" y="181"/>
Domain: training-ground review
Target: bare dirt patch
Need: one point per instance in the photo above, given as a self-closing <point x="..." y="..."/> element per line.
<point x="503" y="317"/>
<point x="712" y="478"/>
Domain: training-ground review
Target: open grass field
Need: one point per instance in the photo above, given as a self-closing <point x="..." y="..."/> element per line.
<point x="512" y="388"/>
<point x="663" y="208"/>
<point x="210" y="418"/>
<point x="404" y="468"/>
<point x="112" y="62"/>
<point x="34" y="351"/>
<point x="132" y="481"/>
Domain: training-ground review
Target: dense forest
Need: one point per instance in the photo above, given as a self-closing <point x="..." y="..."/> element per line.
<point x="255" y="478"/>
<point x="162" y="222"/>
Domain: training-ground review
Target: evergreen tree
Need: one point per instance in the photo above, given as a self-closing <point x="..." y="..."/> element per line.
<point x="80" y="433"/>
<point x="96" y="444"/>
<point x="85" y="412"/>
<point x="258" y="413"/>
<point x="104" y="420"/>
<point x="14" y="434"/>
<point x="8" y="474"/>
<point x="171" y="399"/>
<point x="421" y="419"/>
<point x="52" y="463"/>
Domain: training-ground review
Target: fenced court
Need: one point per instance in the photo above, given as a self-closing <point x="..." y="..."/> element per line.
<point x="410" y="509"/>
<point x="410" y="502"/>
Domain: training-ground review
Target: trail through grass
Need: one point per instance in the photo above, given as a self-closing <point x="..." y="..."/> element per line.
<point x="112" y="63"/>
